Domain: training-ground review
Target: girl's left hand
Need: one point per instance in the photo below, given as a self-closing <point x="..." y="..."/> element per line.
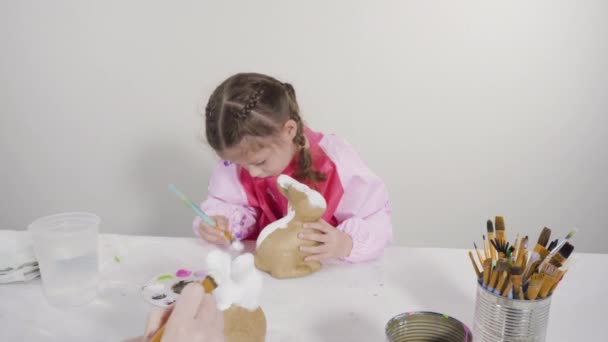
<point x="334" y="243"/>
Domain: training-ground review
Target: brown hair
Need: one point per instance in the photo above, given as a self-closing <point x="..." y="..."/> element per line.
<point x="256" y="105"/>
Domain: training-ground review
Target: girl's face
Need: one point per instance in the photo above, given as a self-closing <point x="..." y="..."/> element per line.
<point x="264" y="156"/>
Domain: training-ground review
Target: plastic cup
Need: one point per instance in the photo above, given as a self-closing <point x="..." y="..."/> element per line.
<point x="65" y="246"/>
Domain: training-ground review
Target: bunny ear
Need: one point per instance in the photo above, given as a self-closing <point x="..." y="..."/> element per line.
<point x="283" y="184"/>
<point x="283" y="191"/>
<point x="242" y="266"/>
<point x="218" y="266"/>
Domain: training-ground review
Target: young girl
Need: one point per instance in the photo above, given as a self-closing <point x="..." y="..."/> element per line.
<point x="253" y="123"/>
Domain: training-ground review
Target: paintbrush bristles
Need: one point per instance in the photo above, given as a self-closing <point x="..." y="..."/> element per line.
<point x="544" y="237"/>
<point x="499" y="223"/>
<point x="548" y="283"/>
<point x="490" y="228"/>
<point x="516" y="273"/>
<point x="549" y="270"/>
<point x="566" y="250"/>
<point x="516" y="270"/>
<point x="571" y="233"/>
<point x="552" y="245"/>
<point x="530" y="271"/>
<point x="534" y="286"/>
<point x="499" y="228"/>
<point x="559" y="258"/>
<point x="501" y="246"/>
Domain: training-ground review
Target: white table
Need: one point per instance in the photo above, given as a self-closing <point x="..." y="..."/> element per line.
<point x="338" y="303"/>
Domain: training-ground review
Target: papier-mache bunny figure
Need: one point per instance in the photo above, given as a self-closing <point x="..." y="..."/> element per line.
<point x="278" y="246"/>
<point x="238" y="285"/>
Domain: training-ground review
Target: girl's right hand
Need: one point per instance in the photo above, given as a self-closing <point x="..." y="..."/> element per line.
<point x="194" y="317"/>
<point x="215" y="234"/>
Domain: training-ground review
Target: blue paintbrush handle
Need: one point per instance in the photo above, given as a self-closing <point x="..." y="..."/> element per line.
<point x="208" y="220"/>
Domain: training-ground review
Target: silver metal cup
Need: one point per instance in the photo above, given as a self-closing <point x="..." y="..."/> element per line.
<point x="501" y="319"/>
<point x="426" y="326"/>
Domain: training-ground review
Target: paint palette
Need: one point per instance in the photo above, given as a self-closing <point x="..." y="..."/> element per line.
<point x="164" y="289"/>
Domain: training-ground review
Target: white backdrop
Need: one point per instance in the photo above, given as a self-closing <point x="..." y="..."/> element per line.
<point x="467" y="109"/>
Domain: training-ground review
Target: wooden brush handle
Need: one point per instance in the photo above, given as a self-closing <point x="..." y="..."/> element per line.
<point x="501" y="280"/>
<point x="474" y="265"/>
<point x="505" y="293"/>
<point x="228" y="236"/>
<point x="208" y="285"/>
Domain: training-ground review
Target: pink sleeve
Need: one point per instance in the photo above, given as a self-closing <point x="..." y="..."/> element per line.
<point x="226" y="197"/>
<point x="364" y="210"/>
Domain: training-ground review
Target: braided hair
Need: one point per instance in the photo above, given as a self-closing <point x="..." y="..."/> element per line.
<point x="256" y="105"/>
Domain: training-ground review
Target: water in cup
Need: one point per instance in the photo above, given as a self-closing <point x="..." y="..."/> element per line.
<point x="66" y="248"/>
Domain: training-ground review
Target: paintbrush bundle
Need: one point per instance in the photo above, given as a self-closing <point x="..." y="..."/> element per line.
<point x="511" y="270"/>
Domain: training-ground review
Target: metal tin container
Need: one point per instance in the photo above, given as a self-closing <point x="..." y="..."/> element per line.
<point x="501" y="319"/>
<point x="425" y="326"/>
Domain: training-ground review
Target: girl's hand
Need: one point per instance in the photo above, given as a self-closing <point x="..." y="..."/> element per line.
<point x="215" y="234"/>
<point x="334" y="243"/>
<point x="194" y="317"/>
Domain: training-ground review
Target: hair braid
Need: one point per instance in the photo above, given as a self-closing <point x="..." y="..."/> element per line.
<point x="229" y="117"/>
<point x="305" y="171"/>
<point x="254" y="97"/>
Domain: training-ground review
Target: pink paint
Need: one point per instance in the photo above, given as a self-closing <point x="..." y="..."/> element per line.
<point x="200" y="274"/>
<point x="183" y="273"/>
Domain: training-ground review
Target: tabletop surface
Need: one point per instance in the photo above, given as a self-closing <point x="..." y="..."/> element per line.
<point x="341" y="302"/>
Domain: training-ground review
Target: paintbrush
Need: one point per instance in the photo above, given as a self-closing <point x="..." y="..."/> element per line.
<point x="558" y="276"/>
<point x="487" y="269"/>
<point x="501" y="264"/>
<point x="550" y="279"/>
<point x="478" y="254"/>
<point x="524" y="263"/>
<point x="552" y="245"/>
<point x="510" y="254"/>
<point x="236" y="244"/>
<point x="490" y="228"/>
<point x="208" y="285"/>
<point x="516" y="273"/>
<point x="571" y="261"/>
<point x="502" y="247"/>
<point x="561" y="256"/>
<point x="499" y="225"/>
<point x="540" y="252"/>
<point x="486" y="249"/>
<point x="507" y="291"/>
<point x="534" y="286"/>
<point x="558" y="248"/>
<point x="523" y="248"/>
<point x="475" y="265"/>
<point x="501" y="269"/>
<point x="516" y="245"/>
<point x="562" y="272"/>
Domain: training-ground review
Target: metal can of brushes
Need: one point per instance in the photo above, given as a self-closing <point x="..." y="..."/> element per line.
<point x="426" y="326"/>
<point x="499" y="318"/>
